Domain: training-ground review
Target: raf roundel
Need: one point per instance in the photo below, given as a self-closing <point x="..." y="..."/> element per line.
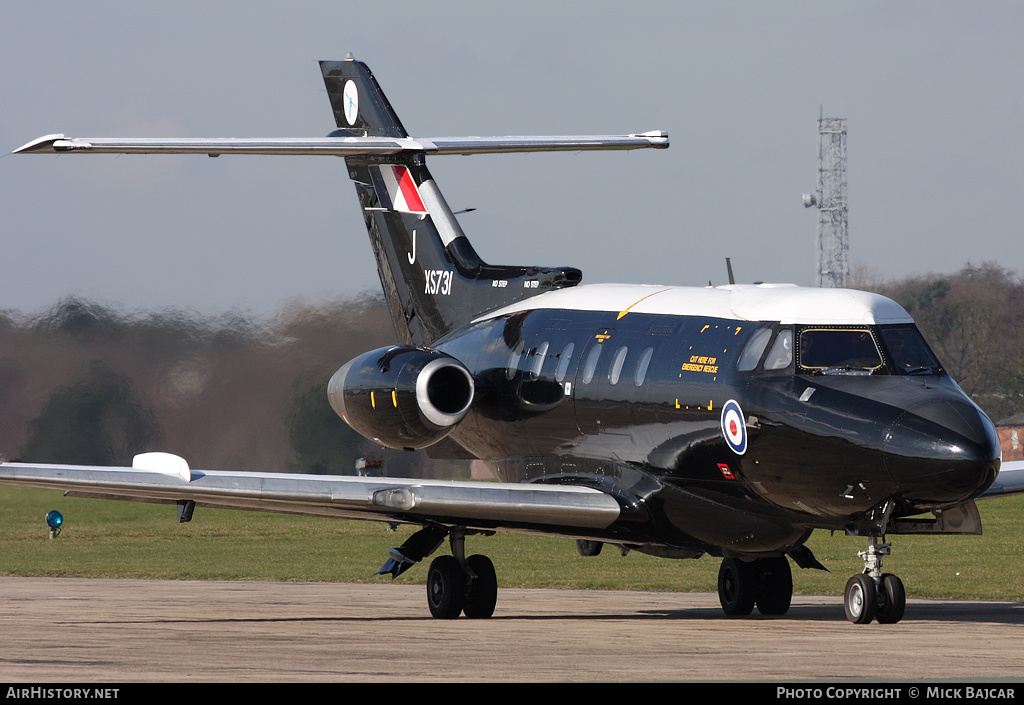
<point x="733" y="427"/>
<point x="351" y="98"/>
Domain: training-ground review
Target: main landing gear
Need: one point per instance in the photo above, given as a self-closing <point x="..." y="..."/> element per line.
<point x="874" y="594"/>
<point x="765" y="582"/>
<point x="457" y="585"/>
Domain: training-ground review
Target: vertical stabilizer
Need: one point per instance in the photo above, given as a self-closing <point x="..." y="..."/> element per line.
<point x="433" y="279"/>
<point x="358" y="102"/>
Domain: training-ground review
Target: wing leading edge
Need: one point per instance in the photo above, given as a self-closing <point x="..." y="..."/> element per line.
<point x="1010" y="480"/>
<point x="340" y="146"/>
<point x="479" y="505"/>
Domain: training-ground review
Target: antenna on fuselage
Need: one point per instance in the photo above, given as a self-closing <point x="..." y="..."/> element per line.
<point x="728" y="266"/>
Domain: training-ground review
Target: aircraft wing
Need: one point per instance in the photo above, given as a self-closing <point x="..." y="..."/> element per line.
<point x="1009" y="481"/>
<point x="165" y="478"/>
<point x="340" y="146"/>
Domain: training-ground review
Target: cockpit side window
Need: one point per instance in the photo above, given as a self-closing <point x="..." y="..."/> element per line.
<point x="781" y="355"/>
<point x="909" y="353"/>
<point x="753" y="350"/>
<point x="839" y="351"/>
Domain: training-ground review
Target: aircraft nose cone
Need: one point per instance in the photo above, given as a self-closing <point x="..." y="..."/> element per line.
<point x="942" y="451"/>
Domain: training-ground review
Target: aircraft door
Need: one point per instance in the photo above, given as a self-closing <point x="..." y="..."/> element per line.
<point x="603" y="387"/>
<point x="544" y="377"/>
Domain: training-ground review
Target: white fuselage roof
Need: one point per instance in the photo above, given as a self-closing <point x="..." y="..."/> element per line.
<point x="785" y="303"/>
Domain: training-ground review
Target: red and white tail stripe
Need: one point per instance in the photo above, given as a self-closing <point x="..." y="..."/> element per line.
<point x="396" y="189"/>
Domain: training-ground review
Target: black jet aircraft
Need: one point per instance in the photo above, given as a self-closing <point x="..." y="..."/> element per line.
<point x="731" y="421"/>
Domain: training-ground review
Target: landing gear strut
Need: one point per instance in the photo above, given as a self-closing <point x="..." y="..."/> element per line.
<point x="765" y="582"/>
<point x="873" y="594"/>
<point x="457" y="585"/>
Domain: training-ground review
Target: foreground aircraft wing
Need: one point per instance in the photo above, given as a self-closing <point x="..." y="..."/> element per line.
<point x="340" y="146"/>
<point x="165" y="478"/>
<point x="1010" y="480"/>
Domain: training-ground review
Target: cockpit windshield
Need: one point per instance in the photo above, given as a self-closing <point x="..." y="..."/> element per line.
<point x="909" y="352"/>
<point x="839" y="351"/>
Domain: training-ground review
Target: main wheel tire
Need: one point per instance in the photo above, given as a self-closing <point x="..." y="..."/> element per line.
<point x="737" y="587"/>
<point x="892" y="600"/>
<point x="446" y="588"/>
<point x="482" y="588"/>
<point x="860" y="599"/>
<point x="775" y="587"/>
<point x="588" y="548"/>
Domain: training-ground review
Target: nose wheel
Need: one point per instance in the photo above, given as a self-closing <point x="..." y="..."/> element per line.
<point x="874" y="595"/>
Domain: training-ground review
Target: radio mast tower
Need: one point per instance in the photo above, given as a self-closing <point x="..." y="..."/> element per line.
<point x="830" y="198"/>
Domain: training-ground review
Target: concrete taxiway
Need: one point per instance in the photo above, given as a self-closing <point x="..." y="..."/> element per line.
<point x="84" y="630"/>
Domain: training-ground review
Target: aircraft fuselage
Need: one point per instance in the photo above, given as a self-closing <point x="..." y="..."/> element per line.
<point x="705" y="456"/>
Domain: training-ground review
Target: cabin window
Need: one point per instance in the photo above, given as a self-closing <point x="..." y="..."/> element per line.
<point x="563" y="362"/>
<point x="591" y="363"/>
<point x="781" y="355"/>
<point x="616" y="371"/>
<point x="909" y="352"/>
<point x="754" y="349"/>
<point x="641" y="367"/>
<point x="513" y="360"/>
<point x="538" y="360"/>
<point x="839" y="351"/>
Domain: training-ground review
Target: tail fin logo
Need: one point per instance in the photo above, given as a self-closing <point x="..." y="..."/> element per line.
<point x="350" y="98"/>
<point x="396" y="189"/>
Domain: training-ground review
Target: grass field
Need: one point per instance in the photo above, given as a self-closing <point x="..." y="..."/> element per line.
<point x="126" y="539"/>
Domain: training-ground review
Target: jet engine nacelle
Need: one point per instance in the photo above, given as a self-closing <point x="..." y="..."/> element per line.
<point x="402" y="396"/>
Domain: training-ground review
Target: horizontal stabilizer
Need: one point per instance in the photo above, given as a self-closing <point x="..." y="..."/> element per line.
<point x="339" y="145"/>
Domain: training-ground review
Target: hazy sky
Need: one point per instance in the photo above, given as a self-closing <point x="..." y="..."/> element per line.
<point x="930" y="90"/>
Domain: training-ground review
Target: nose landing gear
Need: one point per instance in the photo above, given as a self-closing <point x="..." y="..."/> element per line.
<point x="873" y="594"/>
